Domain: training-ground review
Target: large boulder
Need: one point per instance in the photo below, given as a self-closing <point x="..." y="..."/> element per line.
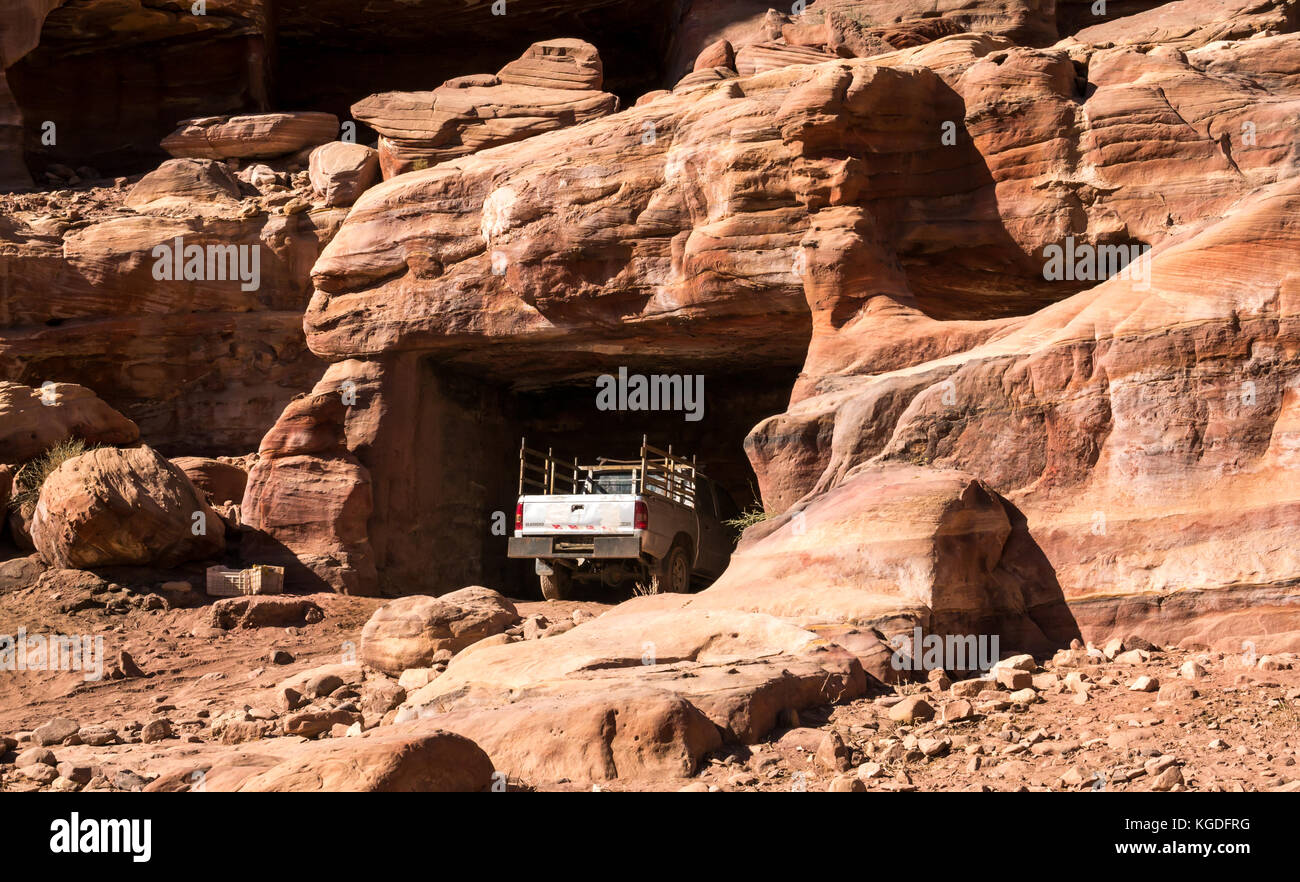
<point x="251" y="136"/>
<point x="32" y="420"/>
<point x="185" y="183"/>
<point x="894" y="547"/>
<point x="132" y="507"/>
<point x="742" y="671"/>
<point x="410" y="631"/>
<point x="633" y="732"/>
<point x="340" y="172"/>
<point x="555" y="84"/>
<point x="402" y="759"/>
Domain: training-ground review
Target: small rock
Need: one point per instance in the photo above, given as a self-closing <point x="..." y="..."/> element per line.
<point x="280" y="657"/>
<point x="867" y="771"/>
<point x="289" y="699"/>
<point x="1076" y="682"/>
<point x="847" y="784"/>
<point x="56" y="731"/>
<point x="156" y="730"/>
<point x="1144" y="684"/>
<point x="1176" y="691"/>
<point x="1045" y="681"/>
<point x="1022" y="662"/>
<point x="933" y="747"/>
<point x="911" y="709"/>
<point x="129" y="780"/>
<point x="126" y="664"/>
<point x="79" y="774"/>
<point x="1168" y="779"/>
<point x="1014" y="679"/>
<point x="415" y="678"/>
<point x="833" y="753"/>
<point x="309" y="724"/>
<point x="956" y="711"/>
<point x="938" y="684"/>
<point x="380" y="695"/>
<point x="97" y="736"/>
<point x="40" y="773"/>
<point x="1158" y="764"/>
<point x="322" y="685"/>
<point x="35" y="756"/>
<point x="1075" y="776"/>
<point x="968" y="688"/>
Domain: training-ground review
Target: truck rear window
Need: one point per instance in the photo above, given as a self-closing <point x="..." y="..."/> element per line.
<point x="610" y="484"/>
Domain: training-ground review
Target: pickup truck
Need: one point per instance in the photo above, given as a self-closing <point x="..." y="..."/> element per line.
<point x="653" y="521"/>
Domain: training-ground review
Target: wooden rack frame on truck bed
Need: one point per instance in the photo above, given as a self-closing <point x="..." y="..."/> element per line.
<point x="657" y="471"/>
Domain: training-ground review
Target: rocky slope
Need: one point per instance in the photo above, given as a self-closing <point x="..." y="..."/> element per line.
<point x="189" y="706"/>
<point x="995" y="304"/>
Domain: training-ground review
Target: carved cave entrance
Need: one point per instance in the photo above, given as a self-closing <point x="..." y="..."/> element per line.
<point x="462" y="489"/>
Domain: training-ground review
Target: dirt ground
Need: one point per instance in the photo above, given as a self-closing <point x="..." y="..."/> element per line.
<point x="1240" y="731"/>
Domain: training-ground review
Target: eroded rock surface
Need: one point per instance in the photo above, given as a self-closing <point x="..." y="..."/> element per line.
<point x="255" y="136"/>
<point x="1009" y="289"/>
<point x="553" y="85"/>
<point x="34" y="420"/>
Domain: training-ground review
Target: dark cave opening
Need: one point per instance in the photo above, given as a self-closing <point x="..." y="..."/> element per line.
<point x="469" y="436"/>
<point x="329" y="54"/>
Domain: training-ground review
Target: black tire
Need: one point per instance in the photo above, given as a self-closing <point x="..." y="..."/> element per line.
<point x="558" y="585"/>
<point x="672" y="575"/>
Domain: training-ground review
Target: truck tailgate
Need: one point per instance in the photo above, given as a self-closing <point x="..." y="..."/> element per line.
<point x="584" y="514"/>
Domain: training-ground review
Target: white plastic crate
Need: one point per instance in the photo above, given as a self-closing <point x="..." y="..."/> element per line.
<point x="225" y="582"/>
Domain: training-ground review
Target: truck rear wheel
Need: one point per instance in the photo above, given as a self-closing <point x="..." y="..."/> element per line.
<point x="558" y="585"/>
<point x="672" y="575"/>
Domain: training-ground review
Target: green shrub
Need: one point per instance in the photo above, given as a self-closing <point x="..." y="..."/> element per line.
<point x="31" y="477"/>
<point x="747" y="519"/>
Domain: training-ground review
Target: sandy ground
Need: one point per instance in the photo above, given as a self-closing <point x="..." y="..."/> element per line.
<point x="1240" y="732"/>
